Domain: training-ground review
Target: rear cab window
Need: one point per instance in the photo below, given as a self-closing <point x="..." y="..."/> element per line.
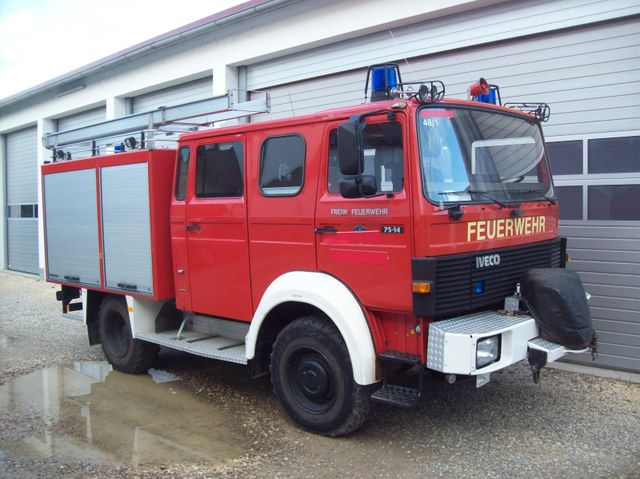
<point x="219" y="170"/>
<point x="282" y="161"/>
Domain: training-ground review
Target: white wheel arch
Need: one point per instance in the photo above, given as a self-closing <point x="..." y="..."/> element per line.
<point x="334" y="299"/>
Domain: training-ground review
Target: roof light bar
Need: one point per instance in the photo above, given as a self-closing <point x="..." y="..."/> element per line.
<point x="386" y="83"/>
<point x="541" y="111"/>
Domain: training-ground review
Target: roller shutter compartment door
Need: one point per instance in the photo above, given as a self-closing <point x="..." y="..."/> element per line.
<point x="22" y="201"/>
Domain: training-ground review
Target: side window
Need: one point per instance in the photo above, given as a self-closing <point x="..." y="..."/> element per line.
<point x="219" y="170"/>
<point x="182" y="169"/>
<point x="383" y="157"/>
<point x="282" y="165"/>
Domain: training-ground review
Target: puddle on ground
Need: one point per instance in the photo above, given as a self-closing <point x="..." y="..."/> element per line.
<point x="5" y="341"/>
<point x="93" y="414"/>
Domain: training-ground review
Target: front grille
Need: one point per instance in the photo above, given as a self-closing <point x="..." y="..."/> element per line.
<point x="453" y="277"/>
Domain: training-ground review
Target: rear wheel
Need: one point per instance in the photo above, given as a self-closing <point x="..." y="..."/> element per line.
<point x="313" y="379"/>
<point x="123" y="352"/>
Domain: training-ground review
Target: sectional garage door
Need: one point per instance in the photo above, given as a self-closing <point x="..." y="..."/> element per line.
<point x="84" y="118"/>
<point x="22" y="201"/>
<point x="589" y="75"/>
<point x="175" y="95"/>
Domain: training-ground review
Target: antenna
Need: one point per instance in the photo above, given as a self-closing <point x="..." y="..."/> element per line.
<point x="293" y="113"/>
<point x="395" y="40"/>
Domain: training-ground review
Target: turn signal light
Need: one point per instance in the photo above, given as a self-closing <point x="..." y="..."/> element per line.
<point x="421" y="287"/>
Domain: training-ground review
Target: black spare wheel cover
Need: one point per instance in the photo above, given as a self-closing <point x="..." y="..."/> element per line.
<point x="557" y="300"/>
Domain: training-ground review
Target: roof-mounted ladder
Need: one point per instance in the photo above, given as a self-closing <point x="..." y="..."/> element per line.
<point x="201" y="112"/>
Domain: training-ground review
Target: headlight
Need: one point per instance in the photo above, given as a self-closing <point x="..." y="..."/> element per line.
<point x="487" y="351"/>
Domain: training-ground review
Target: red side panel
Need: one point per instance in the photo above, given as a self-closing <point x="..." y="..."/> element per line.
<point x="281" y="228"/>
<point x="366" y="243"/>
<point x="216" y="259"/>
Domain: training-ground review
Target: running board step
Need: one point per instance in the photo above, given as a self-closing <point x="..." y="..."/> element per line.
<point x="207" y="345"/>
<point x="393" y="363"/>
<point x="398" y="357"/>
<point x="394" y="395"/>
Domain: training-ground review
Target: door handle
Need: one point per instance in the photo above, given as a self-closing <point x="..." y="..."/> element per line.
<point x="192" y="228"/>
<point x="326" y="230"/>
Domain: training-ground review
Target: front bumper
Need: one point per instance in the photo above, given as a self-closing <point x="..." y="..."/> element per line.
<point x="453" y="342"/>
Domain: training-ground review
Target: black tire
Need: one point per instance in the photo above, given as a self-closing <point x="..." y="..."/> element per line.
<point x="313" y="379"/>
<point x="124" y="353"/>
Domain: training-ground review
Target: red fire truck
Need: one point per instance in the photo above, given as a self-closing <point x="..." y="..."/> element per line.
<point x="333" y="251"/>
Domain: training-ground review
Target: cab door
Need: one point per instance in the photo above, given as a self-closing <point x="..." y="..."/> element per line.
<point x="178" y="232"/>
<point x="216" y="230"/>
<point x="366" y="242"/>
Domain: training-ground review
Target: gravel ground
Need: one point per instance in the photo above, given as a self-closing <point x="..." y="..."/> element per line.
<point x="569" y="425"/>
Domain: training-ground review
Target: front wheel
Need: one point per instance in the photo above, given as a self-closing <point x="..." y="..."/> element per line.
<point x="313" y="379"/>
<point x="123" y="352"/>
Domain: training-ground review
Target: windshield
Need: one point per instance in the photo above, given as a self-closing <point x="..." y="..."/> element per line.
<point x="471" y="155"/>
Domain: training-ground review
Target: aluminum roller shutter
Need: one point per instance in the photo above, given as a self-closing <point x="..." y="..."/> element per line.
<point x="22" y="201"/>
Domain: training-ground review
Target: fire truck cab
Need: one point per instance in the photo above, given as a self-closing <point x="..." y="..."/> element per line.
<point x="333" y="251"/>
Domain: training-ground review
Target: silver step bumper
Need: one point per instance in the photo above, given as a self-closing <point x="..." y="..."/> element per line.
<point x="453" y="342"/>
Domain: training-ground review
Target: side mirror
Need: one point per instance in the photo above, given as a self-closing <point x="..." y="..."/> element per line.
<point x="358" y="187"/>
<point x="350" y="154"/>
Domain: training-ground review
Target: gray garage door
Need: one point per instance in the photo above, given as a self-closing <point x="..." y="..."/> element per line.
<point x="598" y="186"/>
<point x="84" y="118"/>
<point x="22" y="201"/>
<point x="589" y="75"/>
<point x="175" y="95"/>
<point x="78" y="120"/>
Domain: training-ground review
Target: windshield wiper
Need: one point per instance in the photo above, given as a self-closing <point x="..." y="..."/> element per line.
<point x="480" y="192"/>
<point x="495" y="200"/>
<point x="542" y="195"/>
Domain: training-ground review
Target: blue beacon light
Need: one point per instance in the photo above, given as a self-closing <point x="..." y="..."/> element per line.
<point x="478" y="287"/>
<point x="383" y="79"/>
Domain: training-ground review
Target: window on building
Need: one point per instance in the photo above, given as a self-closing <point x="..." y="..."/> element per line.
<point x="282" y="165"/>
<point x="614" y="155"/>
<point x="219" y="170"/>
<point x="569" y="202"/>
<point x="22" y="211"/>
<point x="182" y="170"/>
<point x="614" y="202"/>
<point x="565" y="157"/>
<point x="383" y="157"/>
